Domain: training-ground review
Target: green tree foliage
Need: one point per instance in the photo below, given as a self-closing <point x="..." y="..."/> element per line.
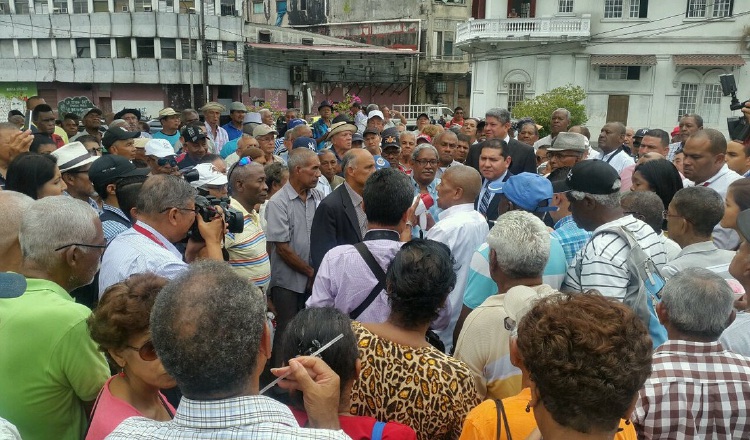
<point x="540" y="108"/>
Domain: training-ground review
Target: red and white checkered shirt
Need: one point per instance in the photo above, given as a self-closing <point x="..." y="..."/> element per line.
<point x="696" y="391"/>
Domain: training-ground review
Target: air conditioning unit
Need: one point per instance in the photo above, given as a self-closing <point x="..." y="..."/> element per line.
<point x="124" y="9"/>
<point x="147" y="8"/>
<point x="298" y="74"/>
<point x="191" y="10"/>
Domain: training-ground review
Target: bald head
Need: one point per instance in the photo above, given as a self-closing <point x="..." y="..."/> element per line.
<point x="467" y="179"/>
<point x="14" y="205"/>
<point x="241" y="173"/>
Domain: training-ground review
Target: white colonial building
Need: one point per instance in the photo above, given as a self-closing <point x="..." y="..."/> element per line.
<point x="641" y="63"/>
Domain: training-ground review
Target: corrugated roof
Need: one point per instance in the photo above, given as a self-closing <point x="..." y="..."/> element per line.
<point x="623" y="60"/>
<point x="332" y="48"/>
<point x="708" y="60"/>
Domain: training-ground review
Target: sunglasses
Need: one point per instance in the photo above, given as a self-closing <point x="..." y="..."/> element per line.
<point x="162" y="161"/>
<point x="242" y="162"/>
<point x="147" y="352"/>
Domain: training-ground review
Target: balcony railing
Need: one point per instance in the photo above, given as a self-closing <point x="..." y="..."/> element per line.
<point x="520" y="28"/>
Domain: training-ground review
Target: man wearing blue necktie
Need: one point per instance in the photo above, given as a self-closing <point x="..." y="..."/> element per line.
<point x="494" y="161"/>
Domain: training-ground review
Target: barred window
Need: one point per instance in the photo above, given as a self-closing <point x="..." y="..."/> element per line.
<point x="688" y="99"/>
<point x="565" y="6"/>
<point x="613" y="8"/>
<point x="516" y="94"/>
<point x="696" y="8"/>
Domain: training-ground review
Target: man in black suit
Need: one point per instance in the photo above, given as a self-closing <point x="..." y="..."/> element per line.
<point x="340" y="218"/>
<point x="497" y="124"/>
<point x="494" y="161"/>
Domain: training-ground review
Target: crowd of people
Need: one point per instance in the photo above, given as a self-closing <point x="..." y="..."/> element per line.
<point x="355" y="277"/>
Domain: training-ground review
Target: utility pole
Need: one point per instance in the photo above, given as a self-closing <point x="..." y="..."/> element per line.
<point x="204" y="48"/>
<point x="190" y="57"/>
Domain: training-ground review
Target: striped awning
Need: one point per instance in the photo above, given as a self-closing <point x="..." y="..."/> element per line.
<point x="708" y="60"/>
<point x="623" y="60"/>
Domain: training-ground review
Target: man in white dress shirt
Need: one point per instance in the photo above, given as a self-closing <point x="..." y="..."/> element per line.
<point x="705" y="165"/>
<point x="612" y="143"/>
<point x="166" y="212"/>
<point x="462" y="229"/>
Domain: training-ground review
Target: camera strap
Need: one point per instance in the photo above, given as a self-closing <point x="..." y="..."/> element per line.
<point x="148" y="234"/>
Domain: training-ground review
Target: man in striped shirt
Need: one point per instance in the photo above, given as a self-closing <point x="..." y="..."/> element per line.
<point x="603" y="263"/>
<point x="247" y="249"/>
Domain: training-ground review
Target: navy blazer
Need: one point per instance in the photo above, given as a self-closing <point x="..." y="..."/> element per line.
<point x="492" y="208"/>
<point x="335" y="223"/>
<point x="523" y="158"/>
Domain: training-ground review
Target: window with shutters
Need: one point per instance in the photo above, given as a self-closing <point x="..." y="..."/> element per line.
<point x="709" y="8"/>
<point x="688" y="99"/>
<point x="565" y="6"/>
<point x="516" y="94"/>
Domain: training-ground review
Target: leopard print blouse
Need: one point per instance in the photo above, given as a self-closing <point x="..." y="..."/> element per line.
<point x="419" y="387"/>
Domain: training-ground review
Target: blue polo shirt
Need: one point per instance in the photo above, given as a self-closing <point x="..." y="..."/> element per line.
<point x="232" y="131"/>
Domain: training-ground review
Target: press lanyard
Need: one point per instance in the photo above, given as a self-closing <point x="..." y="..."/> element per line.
<point x="148" y="234"/>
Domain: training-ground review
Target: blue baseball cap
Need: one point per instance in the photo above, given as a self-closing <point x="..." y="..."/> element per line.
<point x="381" y="163"/>
<point x="528" y="191"/>
<point x="12" y="285"/>
<point x="357" y="137"/>
<point x="304" y="142"/>
<point x="294" y="123"/>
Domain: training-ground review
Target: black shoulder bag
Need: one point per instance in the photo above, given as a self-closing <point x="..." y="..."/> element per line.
<point x="379" y="274"/>
<point x="501" y="415"/>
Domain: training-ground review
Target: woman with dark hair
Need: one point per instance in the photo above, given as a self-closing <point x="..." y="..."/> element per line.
<point x="35" y="175"/>
<point x="737" y="200"/>
<point x="596" y="357"/>
<point x="659" y="176"/>
<point x="306" y="333"/>
<point x="42" y="144"/>
<point x="120" y="325"/>
<point x="404" y="378"/>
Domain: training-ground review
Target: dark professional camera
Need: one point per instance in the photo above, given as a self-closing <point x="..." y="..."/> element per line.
<point x="206" y="207"/>
<point x="738" y="127"/>
<point x="190" y="174"/>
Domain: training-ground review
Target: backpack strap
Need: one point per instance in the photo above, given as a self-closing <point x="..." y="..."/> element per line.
<point x="377" y="430"/>
<point x="379" y="274"/>
<point x="502" y="415"/>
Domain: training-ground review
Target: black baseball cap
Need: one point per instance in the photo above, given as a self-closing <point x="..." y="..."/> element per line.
<point x="390" y="138"/>
<point x="114" y="134"/>
<point x="193" y="132"/>
<point x="425" y="115"/>
<point x="640" y="132"/>
<point x="371" y="130"/>
<point x="590" y="176"/>
<point x="107" y="169"/>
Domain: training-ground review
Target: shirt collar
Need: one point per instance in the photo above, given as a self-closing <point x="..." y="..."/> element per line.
<point x="564" y="221"/>
<point x="690" y="347"/>
<point x="430" y="187"/>
<point x="36" y="284"/>
<point x="115" y="210"/>
<point x="704" y="246"/>
<point x="724" y="169"/>
<point x="168" y="244"/>
<point x="507" y="139"/>
<point x="499" y="179"/>
<point x="234" y="203"/>
<point x="237" y="411"/>
<point x="456" y="209"/>
<point x="356" y="198"/>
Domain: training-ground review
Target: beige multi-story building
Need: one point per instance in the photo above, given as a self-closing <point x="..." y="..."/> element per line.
<point x="641" y="62"/>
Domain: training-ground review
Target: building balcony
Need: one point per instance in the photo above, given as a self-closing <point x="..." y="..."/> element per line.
<point x="496" y="31"/>
<point x="450" y="64"/>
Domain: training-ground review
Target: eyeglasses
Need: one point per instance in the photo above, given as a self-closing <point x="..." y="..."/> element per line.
<point x="666" y="215"/>
<point x="95" y="246"/>
<point x="95" y="151"/>
<point x="425" y="162"/>
<point x="194" y="209"/>
<point x="162" y="161"/>
<point x="559" y="155"/>
<point x="147" y="352"/>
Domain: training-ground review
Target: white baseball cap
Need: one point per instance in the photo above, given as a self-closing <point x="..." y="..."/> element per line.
<point x="159" y="148"/>
<point x="72" y="155"/>
<point x="208" y="175"/>
<point x="375" y="113"/>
